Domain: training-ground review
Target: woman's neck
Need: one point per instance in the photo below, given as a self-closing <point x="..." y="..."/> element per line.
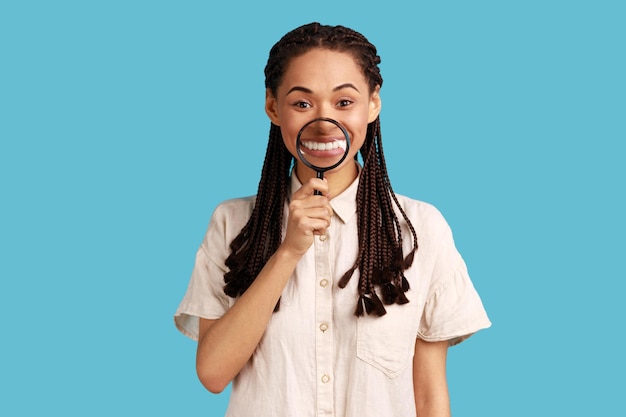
<point x="338" y="179"/>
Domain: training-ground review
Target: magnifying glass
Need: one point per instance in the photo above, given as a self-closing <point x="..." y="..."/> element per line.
<point x="322" y="144"/>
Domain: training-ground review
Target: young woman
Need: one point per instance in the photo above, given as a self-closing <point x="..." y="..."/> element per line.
<point x="325" y="305"/>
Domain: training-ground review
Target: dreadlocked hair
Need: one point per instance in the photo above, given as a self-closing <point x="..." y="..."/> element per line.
<point x="261" y="236"/>
<point x="380" y="258"/>
<point x="333" y="38"/>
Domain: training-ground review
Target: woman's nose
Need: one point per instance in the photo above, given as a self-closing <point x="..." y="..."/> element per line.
<point x="324" y="127"/>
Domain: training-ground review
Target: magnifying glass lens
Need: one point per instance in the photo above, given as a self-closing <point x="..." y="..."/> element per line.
<point x="322" y="144"/>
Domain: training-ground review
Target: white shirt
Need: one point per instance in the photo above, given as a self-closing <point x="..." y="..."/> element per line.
<point x="316" y="357"/>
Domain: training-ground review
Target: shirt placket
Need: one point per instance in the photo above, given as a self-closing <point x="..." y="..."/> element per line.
<point x="323" y="320"/>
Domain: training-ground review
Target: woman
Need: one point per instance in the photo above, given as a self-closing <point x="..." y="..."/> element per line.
<point x="324" y="304"/>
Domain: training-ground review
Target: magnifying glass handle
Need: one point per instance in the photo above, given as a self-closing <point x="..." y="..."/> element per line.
<point x="320" y="175"/>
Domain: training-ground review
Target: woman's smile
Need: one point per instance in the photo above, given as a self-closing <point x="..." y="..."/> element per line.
<point x="325" y="146"/>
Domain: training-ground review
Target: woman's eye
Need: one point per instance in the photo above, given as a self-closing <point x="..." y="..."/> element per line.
<point x="344" y="103"/>
<point x="302" y="104"/>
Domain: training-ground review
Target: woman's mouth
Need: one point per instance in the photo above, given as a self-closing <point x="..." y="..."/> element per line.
<point x="325" y="146"/>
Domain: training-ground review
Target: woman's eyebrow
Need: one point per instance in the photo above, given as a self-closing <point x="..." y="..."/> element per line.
<point x="346" y="85"/>
<point x="299" y="88"/>
<point x="309" y="91"/>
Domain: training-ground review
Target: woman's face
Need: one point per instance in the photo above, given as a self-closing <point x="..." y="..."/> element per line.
<point x="323" y="83"/>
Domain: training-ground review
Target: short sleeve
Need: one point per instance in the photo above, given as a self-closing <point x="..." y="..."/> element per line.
<point x="205" y="297"/>
<point x="453" y="310"/>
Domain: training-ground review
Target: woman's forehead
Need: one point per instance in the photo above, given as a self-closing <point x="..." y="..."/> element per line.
<point x="324" y="68"/>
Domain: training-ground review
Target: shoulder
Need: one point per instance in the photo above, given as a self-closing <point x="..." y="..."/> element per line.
<point x="228" y="218"/>
<point x="235" y="208"/>
<point x="425" y="217"/>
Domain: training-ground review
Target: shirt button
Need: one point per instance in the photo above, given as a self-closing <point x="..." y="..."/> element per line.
<point x="324" y="283"/>
<point x="323" y="237"/>
<point x="325" y="378"/>
<point x="323" y="327"/>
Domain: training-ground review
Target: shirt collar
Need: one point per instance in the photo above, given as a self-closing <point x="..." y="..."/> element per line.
<point x="344" y="204"/>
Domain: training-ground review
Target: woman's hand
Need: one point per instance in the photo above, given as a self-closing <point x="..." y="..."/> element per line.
<point x="309" y="215"/>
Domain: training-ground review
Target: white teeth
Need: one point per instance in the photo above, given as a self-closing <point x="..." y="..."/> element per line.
<point x="321" y="146"/>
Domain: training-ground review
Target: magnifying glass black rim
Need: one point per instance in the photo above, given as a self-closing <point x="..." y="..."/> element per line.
<point x="315" y="167"/>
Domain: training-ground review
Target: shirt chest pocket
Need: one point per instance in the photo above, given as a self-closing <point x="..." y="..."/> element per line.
<point x="388" y="342"/>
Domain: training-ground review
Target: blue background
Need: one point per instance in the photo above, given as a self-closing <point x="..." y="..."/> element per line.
<point x="123" y="124"/>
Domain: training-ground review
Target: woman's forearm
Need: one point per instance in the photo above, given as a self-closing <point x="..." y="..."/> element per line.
<point x="226" y="344"/>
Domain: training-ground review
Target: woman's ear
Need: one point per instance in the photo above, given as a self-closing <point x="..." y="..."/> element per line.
<point x="271" y="107"/>
<point x="375" y="105"/>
